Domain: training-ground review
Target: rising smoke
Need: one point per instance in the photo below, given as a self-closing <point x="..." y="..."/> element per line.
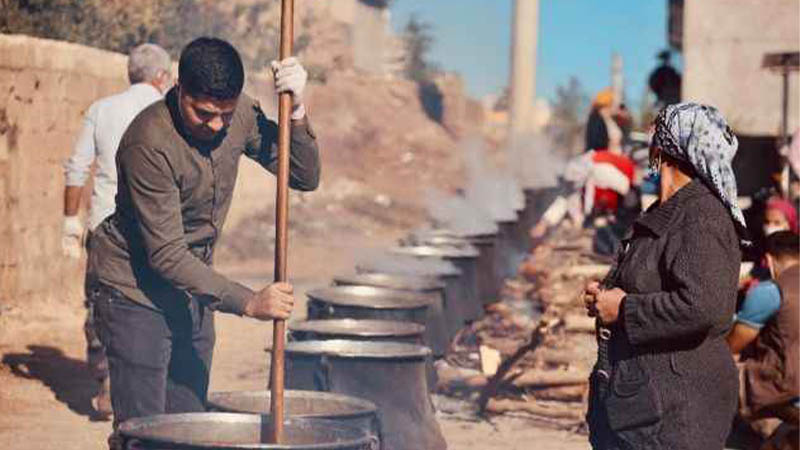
<point x="535" y="162"/>
<point x="377" y="261"/>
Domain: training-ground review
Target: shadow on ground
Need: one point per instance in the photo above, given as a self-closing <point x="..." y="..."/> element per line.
<point x="70" y="379"/>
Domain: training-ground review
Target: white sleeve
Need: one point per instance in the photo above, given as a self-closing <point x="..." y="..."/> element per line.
<point x="76" y="168"/>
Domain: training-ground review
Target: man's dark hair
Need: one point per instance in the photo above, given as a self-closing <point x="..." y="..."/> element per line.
<point x="211" y="67"/>
<point x="783" y="245"/>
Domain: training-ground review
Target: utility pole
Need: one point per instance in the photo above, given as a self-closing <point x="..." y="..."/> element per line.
<point x="525" y="31"/>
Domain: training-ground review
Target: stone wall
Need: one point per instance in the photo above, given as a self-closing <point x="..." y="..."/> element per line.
<point x="45" y="88"/>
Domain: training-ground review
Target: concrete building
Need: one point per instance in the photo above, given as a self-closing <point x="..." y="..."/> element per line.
<point x="723" y="43"/>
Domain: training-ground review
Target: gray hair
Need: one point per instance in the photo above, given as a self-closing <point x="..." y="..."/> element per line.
<point x="146" y="61"/>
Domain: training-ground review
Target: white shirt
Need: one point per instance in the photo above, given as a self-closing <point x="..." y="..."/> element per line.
<point x="614" y="133"/>
<point x="103" y="126"/>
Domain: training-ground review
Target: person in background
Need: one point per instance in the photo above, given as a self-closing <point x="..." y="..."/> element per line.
<point x="664" y="377"/>
<point x="105" y="122"/>
<point x="779" y="215"/>
<point x="765" y="333"/>
<point x="665" y="81"/>
<point x="624" y="119"/>
<point x="602" y="132"/>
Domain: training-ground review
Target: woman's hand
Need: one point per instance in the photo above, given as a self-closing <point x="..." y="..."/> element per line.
<point x="589" y="299"/>
<point x="604" y="304"/>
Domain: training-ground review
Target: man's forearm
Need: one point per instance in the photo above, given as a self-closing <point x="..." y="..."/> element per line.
<point x="304" y="163"/>
<point x="72" y="200"/>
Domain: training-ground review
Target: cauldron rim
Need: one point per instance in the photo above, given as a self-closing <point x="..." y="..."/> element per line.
<point x="382" y="298"/>
<point x="457" y="241"/>
<point x="453" y="272"/>
<point x="365" y="407"/>
<point x="132" y="428"/>
<point x="342" y="348"/>
<point x="415" y="283"/>
<point x="445" y="252"/>
<point x="489" y="229"/>
<point x="404" y="329"/>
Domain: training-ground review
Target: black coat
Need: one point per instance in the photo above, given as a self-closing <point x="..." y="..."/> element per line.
<point x="673" y="383"/>
<point x="596" y="132"/>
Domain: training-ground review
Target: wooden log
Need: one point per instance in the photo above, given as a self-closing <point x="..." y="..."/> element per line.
<point x="499" y="406"/>
<point x="556" y="356"/>
<point x="549" y="378"/>
<point x="574" y="393"/>
<point x="596" y="271"/>
<point x="452" y="378"/>
<point x="579" y="323"/>
<point x="488" y="391"/>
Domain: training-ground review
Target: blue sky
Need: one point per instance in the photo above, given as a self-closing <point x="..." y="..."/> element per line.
<point x="576" y="37"/>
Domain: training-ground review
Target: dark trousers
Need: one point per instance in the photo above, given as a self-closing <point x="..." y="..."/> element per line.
<point x="95" y="353"/>
<point x="159" y="360"/>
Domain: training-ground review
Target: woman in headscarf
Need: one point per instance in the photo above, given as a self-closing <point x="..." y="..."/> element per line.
<point x="779" y="215"/>
<point x="602" y="132"/>
<point x="665" y="378"/>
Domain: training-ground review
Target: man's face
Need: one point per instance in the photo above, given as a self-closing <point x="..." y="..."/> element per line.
<point x="205" y="117"/>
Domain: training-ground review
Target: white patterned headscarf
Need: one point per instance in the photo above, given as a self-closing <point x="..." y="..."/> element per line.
<point x="698" y="135"/>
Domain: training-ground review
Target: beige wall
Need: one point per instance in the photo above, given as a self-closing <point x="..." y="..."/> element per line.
<point x="723" y="45"/>
<point x="45" y="87"/>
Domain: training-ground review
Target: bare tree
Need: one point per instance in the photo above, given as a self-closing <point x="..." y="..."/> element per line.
<point x="418" y="42"/>
<point x="568" y="120"/>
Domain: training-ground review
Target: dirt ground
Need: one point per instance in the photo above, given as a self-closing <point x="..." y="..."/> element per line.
<point x="46" y="388"/>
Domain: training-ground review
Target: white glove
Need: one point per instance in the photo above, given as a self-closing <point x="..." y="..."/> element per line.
<point x="290" y="76"/>
<point x="72" y="236"/>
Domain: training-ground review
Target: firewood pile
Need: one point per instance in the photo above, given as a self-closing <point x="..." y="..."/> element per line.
<point x="533" y="351"/>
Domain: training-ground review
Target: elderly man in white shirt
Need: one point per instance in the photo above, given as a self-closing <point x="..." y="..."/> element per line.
<point x="104" y="124"/>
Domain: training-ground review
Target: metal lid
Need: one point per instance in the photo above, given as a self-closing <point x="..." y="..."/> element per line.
<point x="455" y="241"/>
<point x="364" y="328"/>
<point x="341" y="348"/>
<point x="442" y="235"/>
<point x="391" y="281"/>
<point x="438" y="271"/>
<point x="233" y="430"/>
<point x="465" y="251"/>
<point x="300" y="404"/>
<point x="370" y="297"/>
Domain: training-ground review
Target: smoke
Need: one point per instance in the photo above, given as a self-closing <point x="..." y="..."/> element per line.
<point x="457" y="214"/>
<point x="384" y="262"/>
<point x="535" y="162"/>
<point x="489" y="188"/>
<point x="491" y="195"/>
